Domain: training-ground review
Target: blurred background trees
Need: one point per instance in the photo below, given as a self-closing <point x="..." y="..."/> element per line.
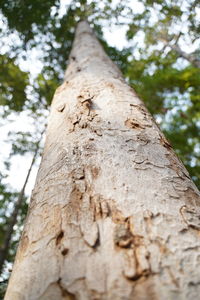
<point x="159" y="57"/>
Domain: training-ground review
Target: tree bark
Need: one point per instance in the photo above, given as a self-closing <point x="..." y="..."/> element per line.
<point x="114" y="214"/>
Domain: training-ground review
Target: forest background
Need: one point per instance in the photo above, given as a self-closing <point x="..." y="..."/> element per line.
<point x="156" y="45"/>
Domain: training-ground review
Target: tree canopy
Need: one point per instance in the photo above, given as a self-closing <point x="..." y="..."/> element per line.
<point x="160" y="60"/>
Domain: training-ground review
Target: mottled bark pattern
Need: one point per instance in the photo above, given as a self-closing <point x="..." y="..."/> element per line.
<point x="114" y="214"/>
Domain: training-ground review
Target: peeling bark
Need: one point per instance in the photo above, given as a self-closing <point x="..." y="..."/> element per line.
<point x="114" y="214"/>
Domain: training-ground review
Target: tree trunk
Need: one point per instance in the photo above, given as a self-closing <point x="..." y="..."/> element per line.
<point x="114" y="214"/>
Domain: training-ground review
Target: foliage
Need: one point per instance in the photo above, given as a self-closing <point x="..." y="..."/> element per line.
<point x="26" y="16"/>
<point x="13" y="83"/>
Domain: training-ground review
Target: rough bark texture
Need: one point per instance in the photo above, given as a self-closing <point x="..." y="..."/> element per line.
<point x="114" y="214"/>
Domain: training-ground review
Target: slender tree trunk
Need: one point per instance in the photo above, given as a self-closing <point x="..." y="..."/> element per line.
<point x="114" y="214"/>
<point x="189" y="57"/>
<point x="13" y="218"/>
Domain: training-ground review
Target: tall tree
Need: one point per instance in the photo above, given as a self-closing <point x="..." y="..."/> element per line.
<point x="114" y="214"/>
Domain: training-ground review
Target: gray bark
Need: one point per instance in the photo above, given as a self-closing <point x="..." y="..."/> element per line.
<point x="114" y="214"/>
